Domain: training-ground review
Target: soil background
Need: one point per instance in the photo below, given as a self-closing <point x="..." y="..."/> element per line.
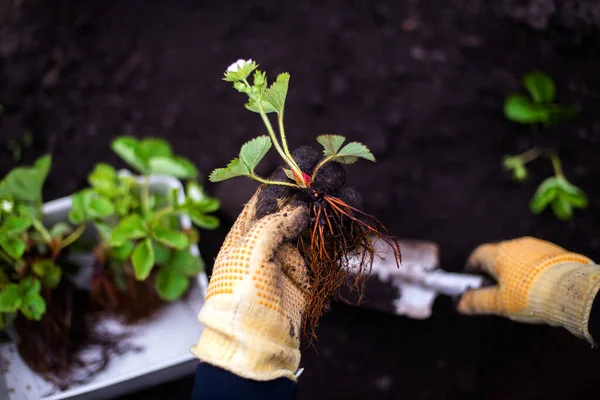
<point x="420" y="82"/>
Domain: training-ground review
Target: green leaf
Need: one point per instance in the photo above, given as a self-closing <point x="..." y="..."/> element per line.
<point x="104" y="230"/>
<point x="59" y="230"/>
<point x="155" y="147"/>
<point x="562" y="209"/>
<point x="202" y="220"/>
<point x="123" y="252"/>
<point x="290" y="174"/>
<point x="177" y="167"/>
<point x="540" y="86"/>
<point x="277" y="92"/>
<point x="544" y="195"/>
<point x="131" y="227"/>
<point x="25" y="183"/>
<point x="331" y="144"/>
<point x="130" y="151"/>
<point x="15" y="225"/>
<point x="77" y="213"/>
<point x="104" y="179"/>
<point x="11" y="298"/>
<point x="100" y="207"/>
<point x="162" y="254"/>
<point x="30" y="286"/>
<point x="351" y="152"/>
<point x="33" y="306"/>
<point x="254" y="151"/>
<point x="170" y="284"/>
<point x="48" y="271"/>
<point x="143" y="259"/>
<point x="206" y="205"/>
<point x="194" y="192"/>
<point x="268" y="108"/>
<point x="186" y="263"/>
<point x="518" y="108"/>
<point x="516" y="165"/>
<point x="13" y="246"/>
<point x="234" y="168"/>
<point x="170" y="237"/>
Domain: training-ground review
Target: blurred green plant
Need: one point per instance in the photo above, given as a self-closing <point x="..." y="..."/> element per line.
<point x="28" y="249"/>
<point x="539" y="109"/>
<point x="140" y="229"/>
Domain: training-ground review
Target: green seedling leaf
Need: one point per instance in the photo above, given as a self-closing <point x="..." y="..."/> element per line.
<point x="59" y="230"/>
<point x="104" y="230"/>
<point x="540" y="86"/>
<point x="48" y="271"/>
<point x="185" y="263"/>
<point x="518" y="108"/>
<point x="143" y="259"/>
<point x="123" y="252"/>
<point x="177" y="167"/>
<point x="15" y="225"/>
<point x="202" y="220"/>
<point x="331" y="144"/>
<point x="206" y="205"/>
<point x="170" y="284"/>
<point x="30" y="286"/>
<point x="25" y="183"/>
<point x="517" y="167"/>
<point x="170" y="237"/>
<point x="100" y="207"/>
<point x="290" y="174"/>
<point x="130" y="151"/>
<point x="277" y="92"/>
<point x="561" y="195"/>
<point x="14" y="247"/>
<point x="254" y="151"/>
<point x="77" y="214"/>
<point x="104" y="179"/>
<point x="233" y="169"/>
<point x="268" y="108"/>
<point x="33" y="306"/>
<point x="11" y="298"/>
<point x="351" y="152"/>
<point x="162" y="254"/>
<point x="155" y="147"/>
<point x="130" y="228"/>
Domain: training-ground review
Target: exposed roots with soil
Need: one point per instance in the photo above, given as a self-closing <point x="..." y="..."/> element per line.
<point x="65" y="347"/>
<point x="338" y="230"/>
<point x="130" y="302"/>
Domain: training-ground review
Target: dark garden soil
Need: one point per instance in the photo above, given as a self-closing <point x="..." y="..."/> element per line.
<point x="420" y="82"/>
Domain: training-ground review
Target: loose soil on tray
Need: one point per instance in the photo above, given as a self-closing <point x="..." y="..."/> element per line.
<point x="421" y="83"/>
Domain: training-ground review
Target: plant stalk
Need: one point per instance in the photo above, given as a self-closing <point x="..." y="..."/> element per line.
<point x="42" y="230"/>
<point x="76" y="234"/>
<point x="318" y="167"/>
<point x="6" y="258"/>
<point x="268" y="182"/>
<point x="530" y="155"/>
<point x="556" y="164"/>
<point x="284" y="142"/>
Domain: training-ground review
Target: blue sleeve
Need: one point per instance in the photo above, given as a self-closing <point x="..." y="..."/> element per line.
<point x="213" y="383"/>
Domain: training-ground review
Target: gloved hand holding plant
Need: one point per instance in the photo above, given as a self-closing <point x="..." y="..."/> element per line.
<point x="288" y="252"/>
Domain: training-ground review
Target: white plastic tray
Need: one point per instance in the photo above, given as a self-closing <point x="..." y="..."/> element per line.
<point x="165" y="340"/>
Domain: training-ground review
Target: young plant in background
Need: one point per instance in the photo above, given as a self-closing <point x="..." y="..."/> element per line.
<point x="28" y="250"/>
<point x="140" y="236"/>
<point x="539" y="110"/>
<point x="338" y="225"/>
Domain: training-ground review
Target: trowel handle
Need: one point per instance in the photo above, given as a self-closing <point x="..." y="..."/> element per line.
<point x="452" y="284"/>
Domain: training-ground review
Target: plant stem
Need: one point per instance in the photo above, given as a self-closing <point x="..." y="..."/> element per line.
<point x="268" y="182"/>
<point x="42" y="230"/>
<point x="284" y="142"/>
<point x="556" y="164"/>
<point x="145" y="196"/>
<point x="76" y="234"/>
<point x="530" y="155"/>
<point x="318" y="167"/>
<point x="163" y="212"/>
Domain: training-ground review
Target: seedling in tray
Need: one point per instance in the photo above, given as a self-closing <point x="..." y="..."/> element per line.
<point x="338" y="225"/>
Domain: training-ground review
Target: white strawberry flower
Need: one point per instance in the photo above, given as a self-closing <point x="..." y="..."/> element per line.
<point x="240" y="70"/>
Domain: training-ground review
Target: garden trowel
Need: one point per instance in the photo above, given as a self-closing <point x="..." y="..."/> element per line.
<point x="410" y="288"/>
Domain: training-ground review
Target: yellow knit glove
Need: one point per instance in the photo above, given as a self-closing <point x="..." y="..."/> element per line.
<point x="538" y="282"/>
<point x="253" y="311"/>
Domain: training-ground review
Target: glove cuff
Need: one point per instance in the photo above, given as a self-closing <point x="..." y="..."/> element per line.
<point x="564" y="294"/>
<point x="253" y="348"/>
